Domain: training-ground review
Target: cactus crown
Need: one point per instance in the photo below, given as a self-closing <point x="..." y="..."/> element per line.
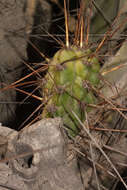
<point x="72" y="71"/>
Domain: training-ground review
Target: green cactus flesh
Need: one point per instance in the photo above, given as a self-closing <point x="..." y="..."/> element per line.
<point x="64" y="89"/>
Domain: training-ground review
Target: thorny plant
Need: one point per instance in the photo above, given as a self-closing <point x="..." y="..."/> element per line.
<point x="106" y="105"/>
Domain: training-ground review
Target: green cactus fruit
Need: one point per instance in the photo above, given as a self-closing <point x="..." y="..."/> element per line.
<point x="64" y="91"/>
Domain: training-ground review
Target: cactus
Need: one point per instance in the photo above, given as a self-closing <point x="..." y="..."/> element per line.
<point x="65" y="88"/>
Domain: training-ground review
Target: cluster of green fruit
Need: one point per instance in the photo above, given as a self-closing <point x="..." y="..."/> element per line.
<point x="66" y="86"/>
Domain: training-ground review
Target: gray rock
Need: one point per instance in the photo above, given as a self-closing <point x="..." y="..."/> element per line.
<point x="37" y="159"/>
<point x="16" y="22"/>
